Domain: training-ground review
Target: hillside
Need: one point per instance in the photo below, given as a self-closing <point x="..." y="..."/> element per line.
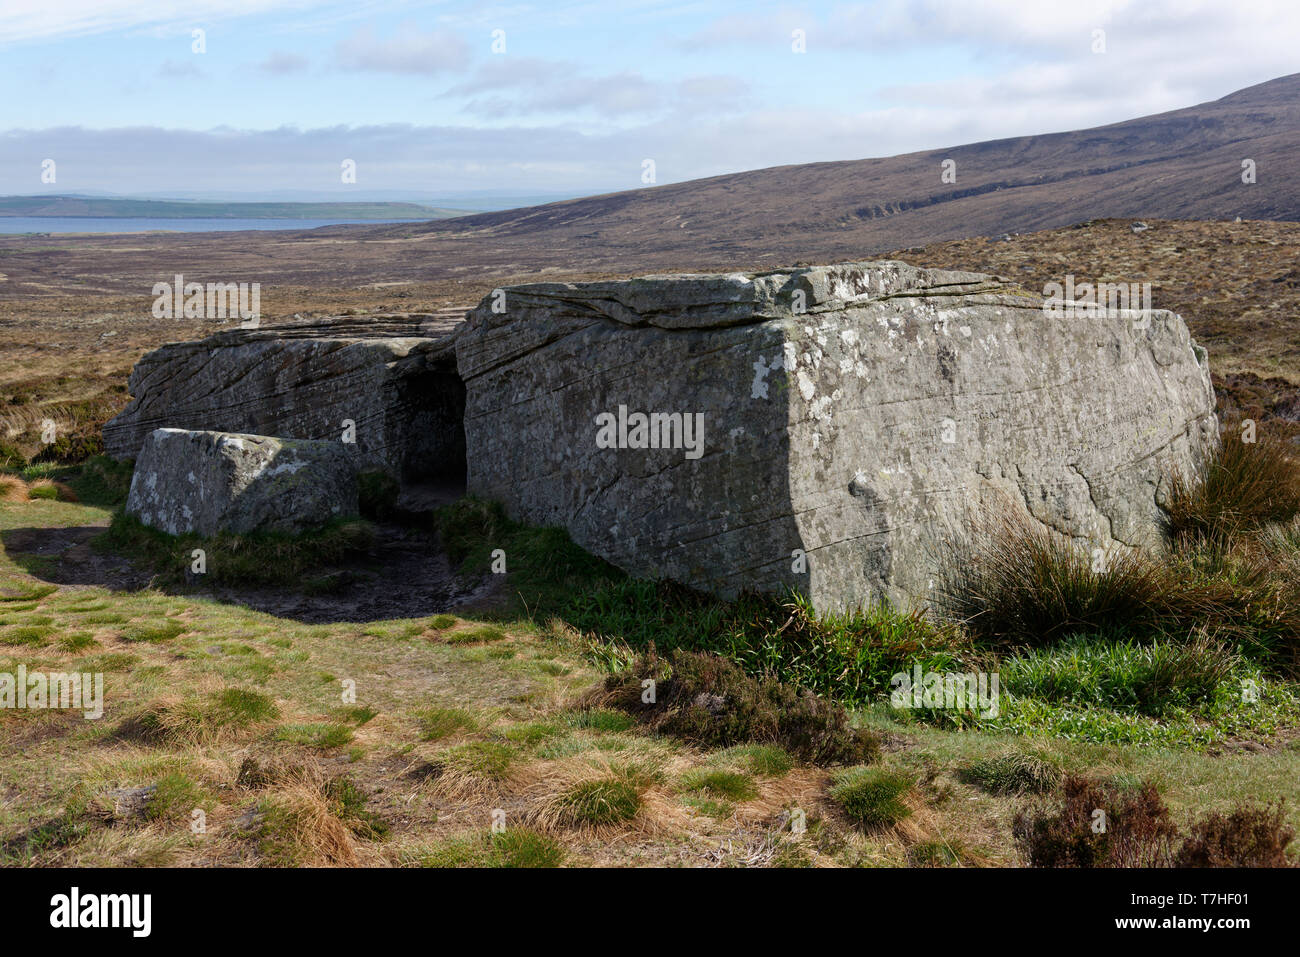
<point x="1184" y="164"/>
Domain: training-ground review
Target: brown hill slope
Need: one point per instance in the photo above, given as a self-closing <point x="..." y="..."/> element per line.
<point x="1180" y="165"/>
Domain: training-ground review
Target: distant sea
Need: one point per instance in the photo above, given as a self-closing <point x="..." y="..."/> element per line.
<point x="91" y="224"/>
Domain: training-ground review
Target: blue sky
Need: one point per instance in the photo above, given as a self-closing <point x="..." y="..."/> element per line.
<point x="114" y="92"/>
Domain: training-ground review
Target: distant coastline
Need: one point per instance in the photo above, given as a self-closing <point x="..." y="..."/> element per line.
<point x="71" y="225"/>
<point x="95" y="208"/>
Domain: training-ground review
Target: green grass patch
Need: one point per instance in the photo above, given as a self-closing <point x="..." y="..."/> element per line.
<point x="112" y="661"/>
<point x="16" y="590"/>
<point x="1153" y="678"/>
<point x="196" y="721"/>
<point x="350" y="805"/>
<point x="873" y="798"/>
<point x="764" y="760"/>
<point x="33" y="635"/>
<point x="174" y="797"/>
<point x="154" y="634"/>
<point x="357" y="715"/>
<point x="78" y="641"/>
<point x="612" y="799"/>
<point x="438" y="723"/>
<point x="602" y="720"/>
<point x="531" y="734"/>
<point x="1013" y="772"/>
<point x="324" y="735"/>
<point x="237" y="559"/>
<point x="729" y="785"/>
<point x="492" y="760"/>
<point x="849" y="656"/>
<point x="513" y="847"/>
<point x="474" y="636"/>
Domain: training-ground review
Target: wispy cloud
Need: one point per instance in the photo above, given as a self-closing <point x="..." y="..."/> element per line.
<point x="42" y="19"/>
<point x="520" y="86"/>
<point x="280" y="63"/>
<point x="408" y="50"/>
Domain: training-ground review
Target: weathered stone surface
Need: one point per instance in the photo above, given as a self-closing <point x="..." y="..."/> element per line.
<point x="210" y="482"/>
<point x="854" y="415"/>
<point x="393" y="377"/>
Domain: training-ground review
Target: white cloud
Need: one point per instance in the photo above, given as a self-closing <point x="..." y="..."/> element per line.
<point x="519" y="86"/>
<point x="279" y="63"/>
<point x="43" y="20"/>
<point x="409" y="50"/>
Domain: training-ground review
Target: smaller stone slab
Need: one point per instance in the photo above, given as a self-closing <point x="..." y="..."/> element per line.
<point x="210" y="482"/>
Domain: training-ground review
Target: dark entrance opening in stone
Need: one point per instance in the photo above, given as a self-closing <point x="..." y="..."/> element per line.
<point x="433" y="465"/>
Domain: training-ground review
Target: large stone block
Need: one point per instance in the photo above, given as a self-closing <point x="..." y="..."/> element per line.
<point x="210" y="482"/>
<point x="391" y="380"/>
<point x="853" y="417"/>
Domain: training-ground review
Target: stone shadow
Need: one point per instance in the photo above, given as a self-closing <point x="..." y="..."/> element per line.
<point x="404" y="575"/>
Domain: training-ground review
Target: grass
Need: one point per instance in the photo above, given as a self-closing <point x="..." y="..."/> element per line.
<point x="1238" y="487"/>
<point x="1015" y="583"/>
<point x="730" y="785"/>
<point x="474" y="636"/>
<point x="603" y="720"/>
<point x="1152" y="679"/>
<point x="195" y="721"/>
<point x="850" y="656"/>
<point x="153" y="633"/>
<point x="237" y="559"/>
<point x="873" y="798"/>
<point x="78" y="641"/>
<point x="488" y="760"/>
<point x="531" y="734"/>
<point x="764" y="760"/>
<point x="614" y="798"/>
<point x="512" y="847"/>
<point x="323" y="735"/>
<point x="1013" y="772"/>
<point x="174" y="797"/>
<point x="545" y="740"/>
<point x="438" y="723"/>
<point x="27" y="635"/>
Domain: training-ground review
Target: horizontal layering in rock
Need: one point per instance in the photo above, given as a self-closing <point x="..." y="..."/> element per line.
<point x="852" y="417"/>
<point x="823" y="428"/>
<point x="210" y="482"/>
<point x="388" y="381"/>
